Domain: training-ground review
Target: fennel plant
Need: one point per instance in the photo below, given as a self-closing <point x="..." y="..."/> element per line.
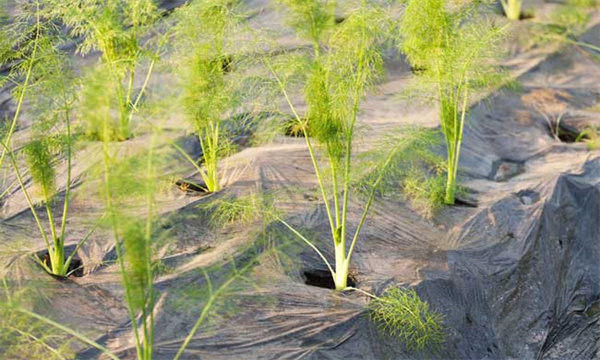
<point x="52" y="101"/>
<point x="205" y="35"/>
<point x="116" y="29"/>
<point x="455" y="50"/>
<point x="334" y="90"/>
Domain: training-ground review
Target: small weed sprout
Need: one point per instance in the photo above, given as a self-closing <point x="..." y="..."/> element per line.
<point x="549" y="105"/>
<point x="401" y="314"/>
<point x="425" y="191"/>
<point x="206" y="34"/>
<point x="240" y="211"/>
<point x="456" y="50"/>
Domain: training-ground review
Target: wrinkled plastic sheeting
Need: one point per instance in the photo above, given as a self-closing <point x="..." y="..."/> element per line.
<point x="522" y="282"/>
<point x="533" y="292"/>
<point x="519" y="279"/>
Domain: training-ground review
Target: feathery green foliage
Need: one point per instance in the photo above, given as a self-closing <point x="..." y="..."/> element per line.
<point x="128" y="185"/>
<point x="205" y="39"/>
<point x="40" y="162"/>
<point x="456" y="51"/>
<point x="232" y="210"/>
<point x="568" y="23"/>
<point x="24" y="334"/>
<point x="23" y="337"/>
<point x="401" y="314"/>
<point x="21" y="43"/>
<point x="116" y="29"/>
<point x="94" y="107"/>
<point x="311" y="19"/>
<point x="336" y="84"/>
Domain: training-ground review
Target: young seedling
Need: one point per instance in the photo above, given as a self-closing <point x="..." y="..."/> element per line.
<point x="550" y="105"/>
<point x="115" y="28"/>
<point x="206" y="36"/>
<point x="455" y="50"/>
<point x="351" y="63"/>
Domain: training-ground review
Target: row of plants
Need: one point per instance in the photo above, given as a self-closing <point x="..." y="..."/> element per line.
<point x="323" y="85"/>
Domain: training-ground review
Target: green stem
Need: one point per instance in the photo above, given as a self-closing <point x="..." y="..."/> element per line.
<point x="584" y="44"/>
<point x="110" y="211"/>
<point x="370" y="200"/>
<point x="188" y="158"/>
<point x="69" y="165"/>
<point x="28" y="199"/>
<point x="291" y="228"/>
<point x="58" y="254"/>
<point x="313" y="157"/>
<point x="343" y="262"/>
<point x="144" y="86"/>
<point x="150" y="216"/>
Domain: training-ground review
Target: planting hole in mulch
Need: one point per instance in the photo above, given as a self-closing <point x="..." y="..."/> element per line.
<point x="418" y="70"/>
<point x="465" y="202"/>
<point x="75" y="267"/>
<point x="504" y="170"/>
<point x="527" y="15"/>
<point x="323" y="279"/>
<point x="528" y="197"/>
<point x="569" y="134"/>
<point x="226" y="62"/>
<point x="191" y="187"/>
